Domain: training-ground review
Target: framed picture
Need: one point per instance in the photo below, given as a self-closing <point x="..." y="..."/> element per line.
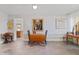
<point x="10" y="24"/>
<point x="60" y="22"/>
<point x="37" y="24"/>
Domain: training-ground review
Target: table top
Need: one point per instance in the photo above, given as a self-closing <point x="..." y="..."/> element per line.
<point x="76" y="36"/>
<point x="38" y="34"/>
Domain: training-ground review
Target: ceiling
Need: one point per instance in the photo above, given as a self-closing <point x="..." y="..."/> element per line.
<point x="43" y="9"/>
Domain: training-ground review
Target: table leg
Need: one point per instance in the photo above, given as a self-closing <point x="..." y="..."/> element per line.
<point x="45" y="42"/>
<point x="67" y="39"/>
<point x="77" y="41"/>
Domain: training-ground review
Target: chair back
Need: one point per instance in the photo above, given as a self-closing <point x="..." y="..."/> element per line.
<point x="28" y="34"/>
<point x="46" y="34"/>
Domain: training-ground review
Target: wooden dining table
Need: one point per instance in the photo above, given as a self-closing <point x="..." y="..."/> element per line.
<point x="39" y="38"/>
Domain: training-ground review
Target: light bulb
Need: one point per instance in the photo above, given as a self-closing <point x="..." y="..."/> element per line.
<point x="34" y="7"/>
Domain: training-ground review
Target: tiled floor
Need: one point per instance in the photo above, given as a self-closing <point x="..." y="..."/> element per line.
<point x="21" y="47"/>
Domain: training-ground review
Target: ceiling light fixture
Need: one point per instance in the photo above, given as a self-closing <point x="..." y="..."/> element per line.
<point x="34" y="6"/>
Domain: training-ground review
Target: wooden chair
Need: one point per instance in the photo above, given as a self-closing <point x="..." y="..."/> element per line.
<point x="28" y="36"/>
<point x="46" y="36"/>
<point x="29" y="42"/>
<point x="32" y="42"/>
<point x="68" y="38"/>
<point x="7" y="37"/>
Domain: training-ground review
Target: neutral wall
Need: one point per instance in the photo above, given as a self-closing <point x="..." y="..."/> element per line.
<point x="3" y="22"/>
<point x="48" y="24"/>
<point x="75" y="17"/>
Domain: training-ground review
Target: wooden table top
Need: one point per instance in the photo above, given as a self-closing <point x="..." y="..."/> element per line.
<point x="75" y="36"/>
<point x="37" y="37"/>
<point x="37" y="34"/>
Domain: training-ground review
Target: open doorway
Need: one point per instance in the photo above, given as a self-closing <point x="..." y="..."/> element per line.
<point x="19" y="28"/>
<point x="19" y="31"/>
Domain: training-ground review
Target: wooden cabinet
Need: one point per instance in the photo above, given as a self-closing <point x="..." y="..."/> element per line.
<point x="19" y="34"/>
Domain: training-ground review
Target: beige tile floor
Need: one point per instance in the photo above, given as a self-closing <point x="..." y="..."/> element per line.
<point x="21" y="47"/>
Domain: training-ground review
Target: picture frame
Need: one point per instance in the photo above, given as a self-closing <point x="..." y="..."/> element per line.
<point x="37" y="24"/>
<point x="60" y="22"/>
<point x="10" y="24"/>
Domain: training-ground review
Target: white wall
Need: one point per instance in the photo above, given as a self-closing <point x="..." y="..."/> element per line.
<point x="75" y="17"/>
<point x="48" y="24"/>
<point x="70" y="21"/>
<point x="3" y="22"/>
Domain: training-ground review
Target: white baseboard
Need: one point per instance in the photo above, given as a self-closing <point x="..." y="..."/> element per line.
<point x="50" y="39"/>
<point x="54" y="39"/>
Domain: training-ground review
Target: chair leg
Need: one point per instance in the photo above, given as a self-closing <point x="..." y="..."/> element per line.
<point x="28" y="42"/>
<point x="45" y="42"/>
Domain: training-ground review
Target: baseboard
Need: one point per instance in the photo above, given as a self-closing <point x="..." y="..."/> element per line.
<point x="50" y="39"/>
<point x="54" y="39"/>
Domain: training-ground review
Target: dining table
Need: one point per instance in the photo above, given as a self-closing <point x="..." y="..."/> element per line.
<point x="38" y="38"/>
